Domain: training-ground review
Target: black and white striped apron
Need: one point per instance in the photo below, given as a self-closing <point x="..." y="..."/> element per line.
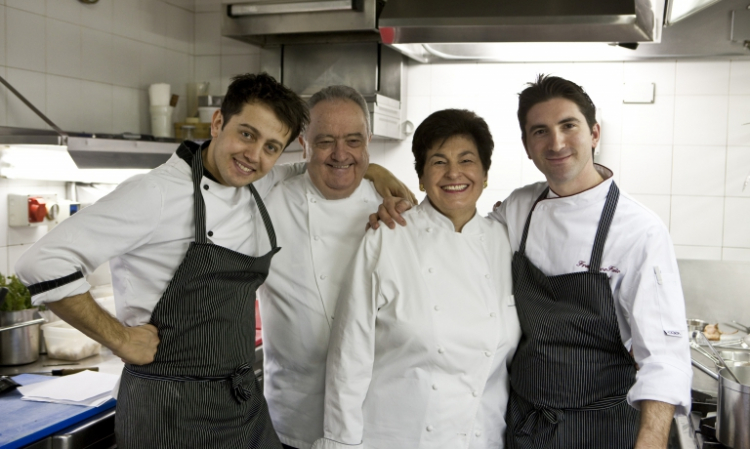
<point x="200" y="391"/>
<point x="571" y="373"/>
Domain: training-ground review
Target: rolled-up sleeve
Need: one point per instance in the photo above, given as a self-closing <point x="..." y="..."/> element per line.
<point x="652" y="298"/>
<point x="351" y="350"/>
<point x="55" y="267"/>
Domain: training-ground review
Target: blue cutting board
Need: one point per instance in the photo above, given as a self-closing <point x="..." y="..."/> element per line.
<point x="24" y="422"/>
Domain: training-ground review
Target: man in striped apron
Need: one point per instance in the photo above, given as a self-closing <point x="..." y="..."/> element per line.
<point x="183" y="235"/>
<point x="596" y="289"/>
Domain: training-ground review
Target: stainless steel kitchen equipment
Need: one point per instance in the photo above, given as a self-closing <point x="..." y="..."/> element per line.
<point x="19" y="337"/>
<point x="733" y="406"/>
<point x="695" y="324"/>
<point x="373" y="69"/>
<point x="723" y="364"/>
<point x="91" y="150"/>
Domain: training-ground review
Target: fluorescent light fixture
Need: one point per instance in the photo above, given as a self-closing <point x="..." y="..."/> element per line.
<point x="526" y="51"/>
<point x="680" y="9"/>
<point x="53" y="163"/>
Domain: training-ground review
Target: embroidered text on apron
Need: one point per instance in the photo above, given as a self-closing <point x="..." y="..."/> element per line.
<point x="571" y="373"/>
<point x="200" y="391"/>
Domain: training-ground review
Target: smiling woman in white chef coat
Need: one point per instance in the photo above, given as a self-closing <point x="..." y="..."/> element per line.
<point x="426" y="327"/>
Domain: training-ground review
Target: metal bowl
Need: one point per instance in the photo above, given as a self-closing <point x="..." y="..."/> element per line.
<point x="694" y="324"/>
<point x="737" y="356"/>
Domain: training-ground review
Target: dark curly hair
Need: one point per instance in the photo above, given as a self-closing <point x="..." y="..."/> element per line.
<point x="442" y="125"/>
<point x="289" y="108"/>
<point x="545" y="88"/>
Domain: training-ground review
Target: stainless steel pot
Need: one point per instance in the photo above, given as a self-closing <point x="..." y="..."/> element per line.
<point x="19" y="337"/>
<point x="733" y="420"/>
<point x="733" y="412"/>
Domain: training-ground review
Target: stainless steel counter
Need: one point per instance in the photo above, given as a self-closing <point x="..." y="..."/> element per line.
<point x="106" y="361"/>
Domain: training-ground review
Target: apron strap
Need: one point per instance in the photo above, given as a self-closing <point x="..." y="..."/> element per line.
<point x="199" y="207"/>
<point x="522" y="247"/>
<point x="605" y="221"/>
<point x="264" y="214"/>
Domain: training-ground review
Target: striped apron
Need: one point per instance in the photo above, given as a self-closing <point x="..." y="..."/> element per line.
<point x="200" y="391"/>
<point x="571" y="373"/>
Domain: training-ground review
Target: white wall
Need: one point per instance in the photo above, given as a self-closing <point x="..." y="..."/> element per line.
<point x="685" y="156"/>
<point x="87" y="67"/>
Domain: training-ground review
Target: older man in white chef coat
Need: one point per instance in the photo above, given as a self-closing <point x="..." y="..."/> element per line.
<point x="604" y="358"/>
<point x="320" y="219"/>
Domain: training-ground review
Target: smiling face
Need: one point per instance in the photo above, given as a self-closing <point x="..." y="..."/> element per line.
<point x="454" y="178"/>
<point x="336" y="142"/>
<point x="560" y="143"/>
<point x="244" y="149"/>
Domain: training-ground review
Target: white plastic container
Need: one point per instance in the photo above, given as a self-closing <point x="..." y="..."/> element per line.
<point x="161" y="121"/>
<point x="66" y="343"/>
<point x="206" y="113"/>
<point x="159" y="94"/>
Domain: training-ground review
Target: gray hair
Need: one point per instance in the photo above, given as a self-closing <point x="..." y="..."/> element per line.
<point x="340" y="92"/>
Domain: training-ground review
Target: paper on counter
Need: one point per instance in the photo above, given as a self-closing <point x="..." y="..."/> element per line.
<point x="87" y="388"/>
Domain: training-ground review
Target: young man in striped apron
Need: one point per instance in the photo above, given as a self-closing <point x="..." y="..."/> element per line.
<point x="185" y="269"/>
<point x="604" y="358"/>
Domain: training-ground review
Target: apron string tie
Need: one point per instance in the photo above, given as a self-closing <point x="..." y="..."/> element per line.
<point x="555" y="415"/>
<point x="240" y="393"/>
<point x="531" y="421"/>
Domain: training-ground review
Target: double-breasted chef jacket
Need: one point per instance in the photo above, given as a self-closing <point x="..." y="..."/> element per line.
<point x="638" y="257"/>
<point x="144" y="228"/>
<point x="298" y="299"/>
<point x="424" y="332"/>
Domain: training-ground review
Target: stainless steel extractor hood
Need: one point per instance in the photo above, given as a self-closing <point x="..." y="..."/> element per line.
<point x="449" y="21"/>
<point x="267" y="22"/>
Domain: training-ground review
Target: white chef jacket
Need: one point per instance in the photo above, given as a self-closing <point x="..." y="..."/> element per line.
<point x="144" y="228"/>
<point x="639" y="259"/>
<point x="424" y="332"/>
<point x="318" y="238"/>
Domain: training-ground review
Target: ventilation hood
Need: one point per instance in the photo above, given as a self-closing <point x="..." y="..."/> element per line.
<point x="267" y="22"/>
<point x="448" y="21"/>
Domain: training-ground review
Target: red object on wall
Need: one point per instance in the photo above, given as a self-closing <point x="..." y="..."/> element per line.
<point x="37" y="210"/>
<point x="258" y="333"/>
<point x="387" y="35"/>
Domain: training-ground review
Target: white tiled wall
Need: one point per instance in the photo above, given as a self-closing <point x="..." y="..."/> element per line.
<point x="87" y="67"/>
<point x="685" y="156"/>
<point x="218" y="58"/>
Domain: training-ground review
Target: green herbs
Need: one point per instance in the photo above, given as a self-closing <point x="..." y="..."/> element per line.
<point x="18" y="297"/>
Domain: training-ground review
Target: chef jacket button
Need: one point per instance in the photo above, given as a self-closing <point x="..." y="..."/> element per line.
<point x="429" y="229"/>
<point x="316" y="238"/>
<point x="487" y="276"/>
<point x="430" y="270"/>
<point x="441" y="350"/>
<point x="475" y="393"/>
<point x="312" y="200"/>
<point x="487" y="353"/>
<point x="322" y="276"/>
<point x="210" y="233"/>
<point x="430" y="428"/>
<point x="478" y="434"/>
<point x="205" y="186"/>
<point x="437" y="308"/>
<point x="493" y="314"/>
<point x="434" y="386"/>
<point x="481" y="237"/>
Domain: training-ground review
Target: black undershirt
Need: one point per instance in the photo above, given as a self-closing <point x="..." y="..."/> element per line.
<point x="186" y="151"/>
